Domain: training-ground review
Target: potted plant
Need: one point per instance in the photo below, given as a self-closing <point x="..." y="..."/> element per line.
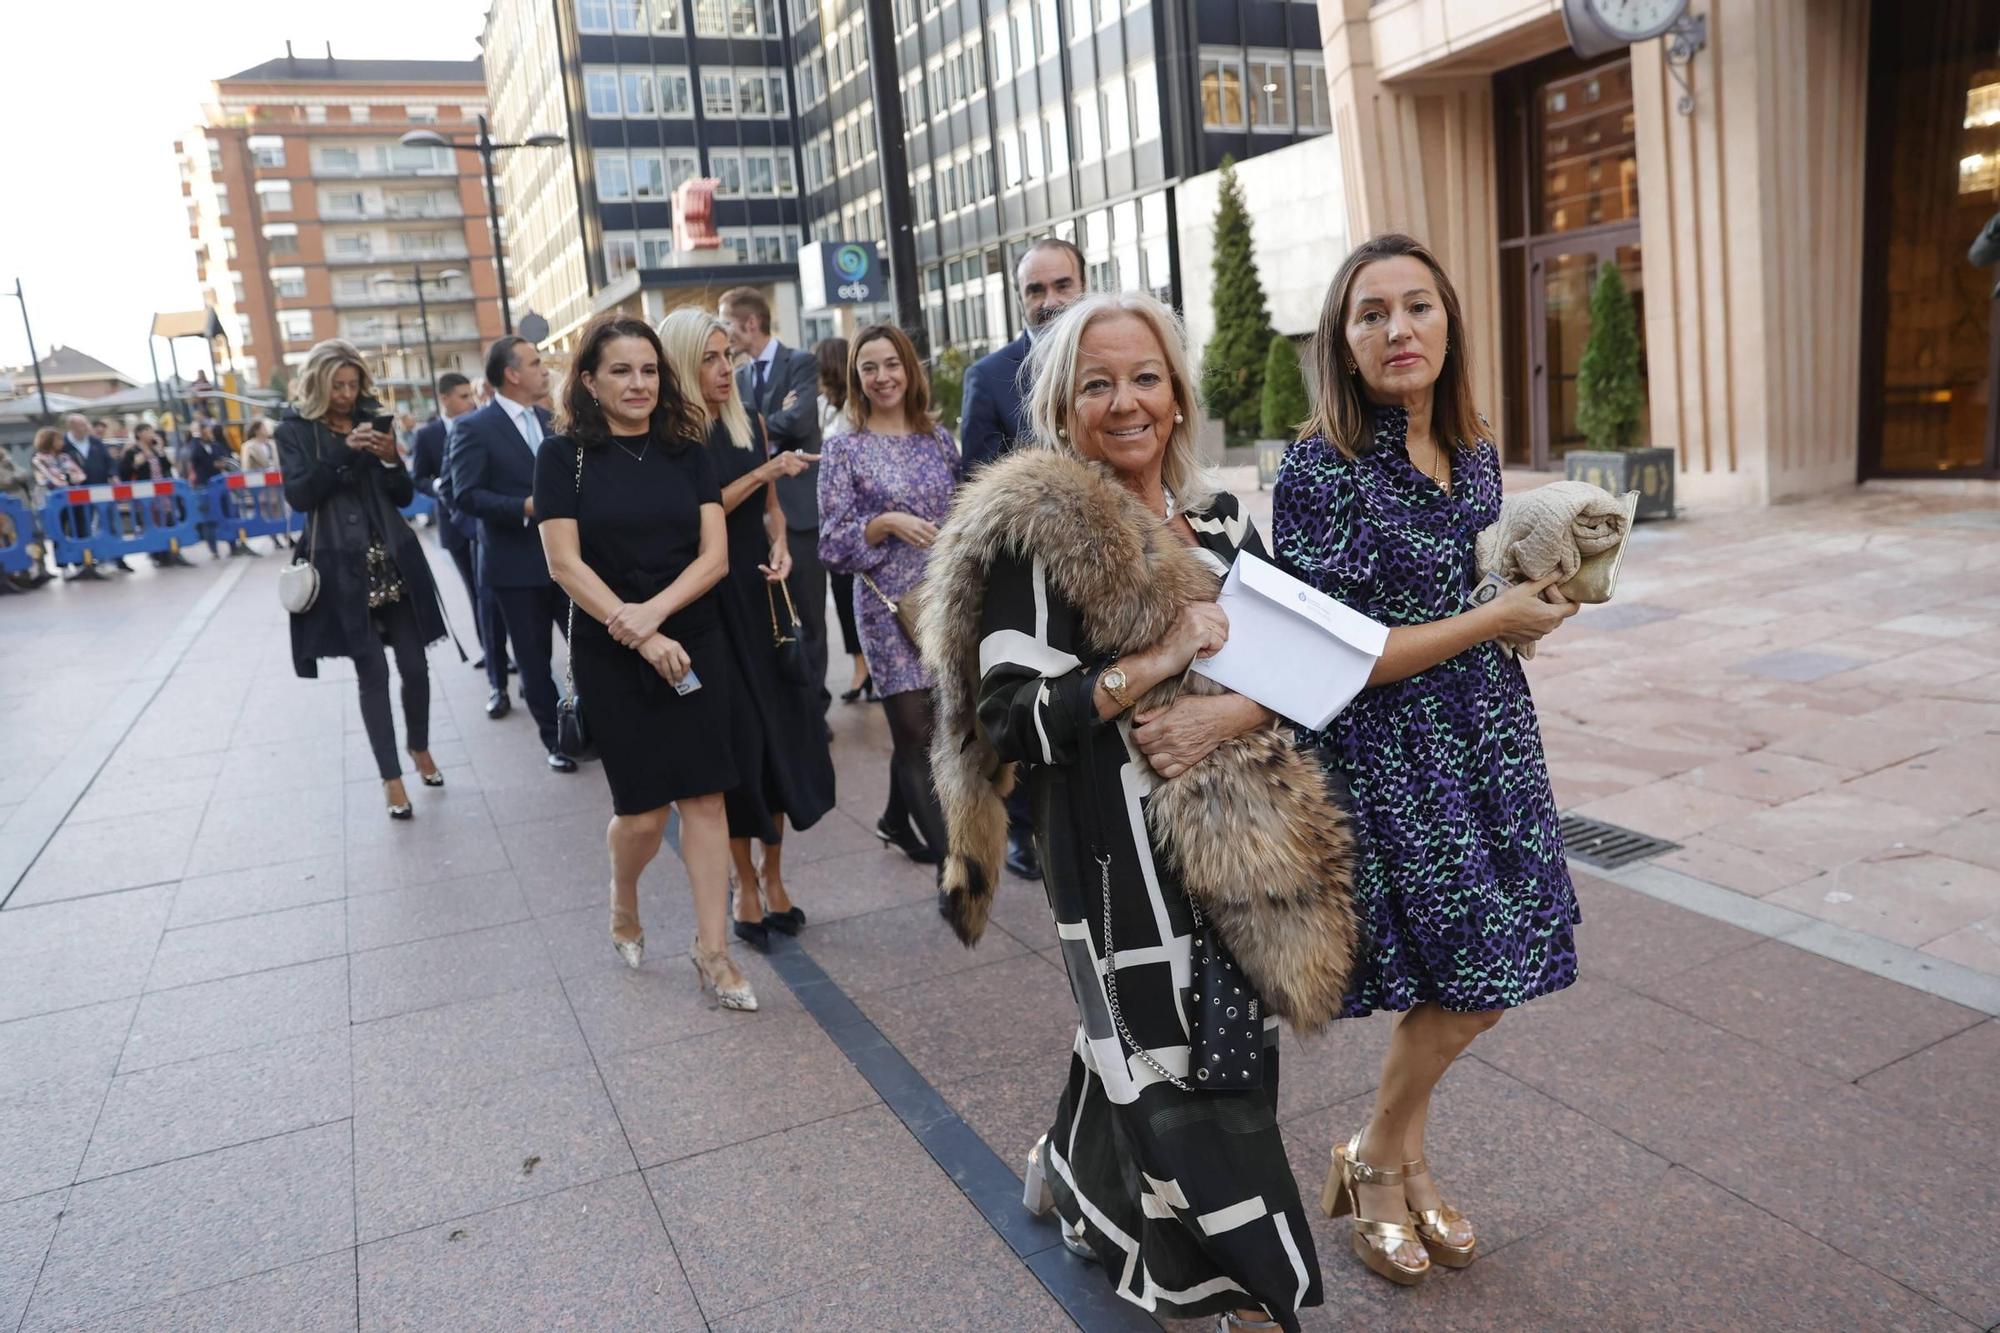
<point x="1611" y="405"/>
<point x="1232" y="365"/>
<point x="1283" y="408"/>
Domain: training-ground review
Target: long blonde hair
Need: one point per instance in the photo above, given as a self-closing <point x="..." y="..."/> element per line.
<point x="685" y="334"/>
<point x="1053" y="368"/>
<point x="314" y="388"/>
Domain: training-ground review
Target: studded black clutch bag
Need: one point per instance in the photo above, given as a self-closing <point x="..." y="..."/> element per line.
<point x="1225" y="1018"/>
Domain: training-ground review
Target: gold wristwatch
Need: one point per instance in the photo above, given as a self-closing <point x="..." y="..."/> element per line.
<point x="1113" y="681"/>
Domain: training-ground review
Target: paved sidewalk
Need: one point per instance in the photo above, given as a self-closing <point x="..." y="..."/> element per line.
<point x="268" y="1061"/>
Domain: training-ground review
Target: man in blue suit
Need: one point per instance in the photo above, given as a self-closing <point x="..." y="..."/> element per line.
<point x="492" y="467"/>
<point x="458" y="532"/>
<point x="994" y="415"/>
<point x="994" y="419"/>
<point x="100" y="468"/>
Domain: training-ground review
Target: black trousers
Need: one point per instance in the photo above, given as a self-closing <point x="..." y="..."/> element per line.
<point x="808" y="585"/>
<point x="485" y="617"/>
<point x="400" y="633"/>
<point x="843" y="606"/>
<point x="530" y="614"/>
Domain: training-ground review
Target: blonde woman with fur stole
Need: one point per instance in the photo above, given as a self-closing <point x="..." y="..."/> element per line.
<point x="782" y="760"/>
<point x="1069" y="592"/>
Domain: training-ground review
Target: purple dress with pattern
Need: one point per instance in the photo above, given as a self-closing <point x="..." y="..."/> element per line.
<point x="864" y="474"/>
<point x="1462" y="881"/>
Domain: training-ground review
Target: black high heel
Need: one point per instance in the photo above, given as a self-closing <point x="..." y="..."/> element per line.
<point x="756" y="934"/>
<point x="867" y="687"/>
<point x="906" y="841"/>
<point x="787" y="922"/>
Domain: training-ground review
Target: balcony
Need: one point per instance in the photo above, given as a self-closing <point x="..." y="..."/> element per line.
<point x="396" y="258"/>
<point x="399" y="298"/>
<point x="394" y="212"/>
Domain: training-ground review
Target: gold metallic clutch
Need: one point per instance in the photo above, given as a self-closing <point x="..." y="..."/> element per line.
<point x="1597" y="578"/>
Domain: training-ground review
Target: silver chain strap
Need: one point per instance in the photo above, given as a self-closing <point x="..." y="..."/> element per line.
<point x="569" y="626"/>
<point x="1111" y="980"/>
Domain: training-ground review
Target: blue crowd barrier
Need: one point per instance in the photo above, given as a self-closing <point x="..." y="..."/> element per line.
<point x="17" y="556"/>
<point x="420" y="506"/>
<point x="249" y="504"/>
<point x="87" y="525"/>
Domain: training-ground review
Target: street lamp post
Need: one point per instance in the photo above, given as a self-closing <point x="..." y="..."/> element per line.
<point x="418" y="279"/>
<point x="486" y="148"/>
<point x="33" y="359"/>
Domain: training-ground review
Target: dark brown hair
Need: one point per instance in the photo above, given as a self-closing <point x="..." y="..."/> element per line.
<point x="831" y="358"/>
<point x="1341" y="412"/>
<point x="741" y="301"/>
<point x="916" y="394"/>
<point x="1056" y="243"/>
<point x="675" y="420"/>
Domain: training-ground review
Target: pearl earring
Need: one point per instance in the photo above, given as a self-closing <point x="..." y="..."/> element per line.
<point x="1178" y="418"/>
<point x="1061" y="434"/>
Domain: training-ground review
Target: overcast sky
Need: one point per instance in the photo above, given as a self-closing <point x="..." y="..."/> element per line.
<point x="92" y="97"/>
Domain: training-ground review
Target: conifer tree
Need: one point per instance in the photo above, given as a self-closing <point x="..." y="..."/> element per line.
<point x="1232" y="373"/>
<point x="1610" y="390"/>
<point x="1285" y="403"/>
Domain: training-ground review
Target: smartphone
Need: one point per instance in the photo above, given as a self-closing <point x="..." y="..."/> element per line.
<point x="1488" y="588"/>
<point x="687" y="684"/>
<point x="384" y="425"/>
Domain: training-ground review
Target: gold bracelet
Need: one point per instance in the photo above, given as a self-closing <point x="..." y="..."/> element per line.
<point x="1113" y="681"/>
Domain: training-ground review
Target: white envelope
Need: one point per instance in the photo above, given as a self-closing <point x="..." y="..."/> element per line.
<point x="1292" y="648"/>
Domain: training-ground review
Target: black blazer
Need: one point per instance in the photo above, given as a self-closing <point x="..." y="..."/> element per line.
<point x="796" y="427"/>
<point x="994" y="418"/>
<point x="455" y="530"/>
<point x="492" y="471"/>
<point x="349" y="498"/>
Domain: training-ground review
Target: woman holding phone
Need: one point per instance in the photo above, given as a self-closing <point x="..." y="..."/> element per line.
<point x="375" y="589"/>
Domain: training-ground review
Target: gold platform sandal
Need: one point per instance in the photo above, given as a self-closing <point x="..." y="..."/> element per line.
<point x="1375" y="1243"/>
<point x="1434" y="1225"/>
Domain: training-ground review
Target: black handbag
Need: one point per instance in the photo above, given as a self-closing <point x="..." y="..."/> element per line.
<point x="573" y="738"/>
<point x="788" y="638"/>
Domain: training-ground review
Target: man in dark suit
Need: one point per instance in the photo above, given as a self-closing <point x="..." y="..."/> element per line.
<point x="100" y="468"/>
<point x="458" y="531"/>
<point x="994" y="419"/>
<point x="994" y="415"/>
<point x="782" y="384"/>
<point x="491" y="456"/>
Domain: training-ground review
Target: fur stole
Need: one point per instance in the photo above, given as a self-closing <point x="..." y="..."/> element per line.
<point x="1258" y="843"/>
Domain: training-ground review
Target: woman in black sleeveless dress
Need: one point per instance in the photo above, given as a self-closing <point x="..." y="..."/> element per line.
<point x="631" y="521"/>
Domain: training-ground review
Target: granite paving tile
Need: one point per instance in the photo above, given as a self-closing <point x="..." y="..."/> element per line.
<point x="195" y="954"/>
<point x="443" y="815"/>
<point x="1942" y="721"/>
<point x="44" y="1129"/>
<point x="73" y="1044"/>
<point x="1629" y="937"/>
<point x="1739" y="868"/>
<point x="936" y="1294"/>
<point x="1952" y="1080"/>
<point x="1008" y="1108"/>
<point x="85" y="859"/>
<point x="26" y="1228"/>
<point x="446" y="1053"/>
<point x="149" y="1235"/>
<point x="281" y="766"/>
<point x="838" y="834"/>
<point x="1957" y="779"/>
<point x="316" y="1296"/>
<point x="561" y="863"/>
<point x="1976" y="946"/>
<point x="1976" y="840"/>
<point x="1862" y="744"/>
<point x="725" y="1087"/>
<point x="216" y="1101"/>
<point x="1797" y="664"/>
<point x="426" y="857"/>
<point x="764" y="1220"/>
<point x="236" y="893"/>
<point x="1911" y="899"/>
<point x="594" y="1257"/>
<point x="458" y="967"/>
<point x="73" y="970"/>
<point x="579" y="940"/>
<point x="945" y="1028"/>
<point x="857" y="883"/>
<point x="523" y="795"/>
<point x="1672" y="809"/>
<point x="419" y="1165"/>
<point x="1339" y="1062"/>
<point x="897" y="946"/>
<point x="1817" y="1011"/>
<point x="149" y="805"/>
<point x="241" y="832"/>
<point x="1767" y="776"/>
<point x="1830" y="828"/>
<point x="626" y="1010"/>
<point x="426" y="911"/>
<point x="237" y="1012"/>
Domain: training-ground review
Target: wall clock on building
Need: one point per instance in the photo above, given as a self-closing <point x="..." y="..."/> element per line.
<point x="1599" y="27"/>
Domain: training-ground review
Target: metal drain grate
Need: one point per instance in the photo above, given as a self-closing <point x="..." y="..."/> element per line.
<point x="1606" y="846"/>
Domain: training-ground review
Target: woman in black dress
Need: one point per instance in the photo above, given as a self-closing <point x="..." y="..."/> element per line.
<point x="781" y="750"/>
<point x="631" y="522"/>
<point x="375" y="586"/>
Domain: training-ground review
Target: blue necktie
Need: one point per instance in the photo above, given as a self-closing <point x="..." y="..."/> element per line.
<point x="757" y="381"/>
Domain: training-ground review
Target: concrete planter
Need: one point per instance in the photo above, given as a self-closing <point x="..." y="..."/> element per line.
<point x="1647" y="471"/>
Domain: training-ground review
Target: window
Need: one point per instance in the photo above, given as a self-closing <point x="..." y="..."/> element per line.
<point x="649" y="176"/>
<point x="621" y="253"/>
<point x="614" y="181"/>
<point x="315" y="115"/>
<point x="1058" y="141"/>
<point x="358" y="114"/>
<point x="345" y="203"/>
<point x="267" y="150"/>
<point x="1003" y="49"/>
<point x="727" y="168"/>
<point x="710" y="18"/>
<point x="222" y="201"/>
<point x="421" y="115"/>
<point x="656" y="249"/>
<point x="777" y="85"/>
<point x="229" y="242"/>
<point x="1222" y="92"/>
<point x="1085" y="122"/>
<point x="757" y="177"/>
<point x="1145" y="102"/>
<point x="332" y="160"/>
<point x="630" y="15"/>
<point x="288" y="281"/>
<point x="600" y="92"/>
<point x="281" y="238"/>
<point x="675" y="97"/>
<point x="350" y="287"/>
<point x="639" y="94"/>
<point x="593" y="15"/>
<point x="1270" y="93"/>
<point x="682" y="165"/>
<point x="742" y="18"/>
<point x="350" y="245"/>
<point x="1311" y="96"/>
<point x="718" y="95"/>
<point x="295" y="326"/>
<point x="1117" y="115"/>
<point x="667" y="16"/>
<point x="274" y="196"/>
<point x="415" y="159"/>
<point x="751" y="99"/>
<point x="769" y="247"/>
<point x="781" y="166"/>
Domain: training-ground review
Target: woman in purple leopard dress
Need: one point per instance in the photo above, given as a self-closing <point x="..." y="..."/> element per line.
<point x="883" y="490"/>
<point x="1461" y="880"/>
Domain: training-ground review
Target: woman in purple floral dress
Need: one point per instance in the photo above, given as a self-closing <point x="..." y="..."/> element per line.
<point x="883" y="490"/>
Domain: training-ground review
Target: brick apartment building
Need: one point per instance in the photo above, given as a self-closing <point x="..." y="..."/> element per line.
<point x="310" y="220"/>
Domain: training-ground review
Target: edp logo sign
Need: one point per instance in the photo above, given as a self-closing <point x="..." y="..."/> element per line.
<point x="835" y="273"/>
